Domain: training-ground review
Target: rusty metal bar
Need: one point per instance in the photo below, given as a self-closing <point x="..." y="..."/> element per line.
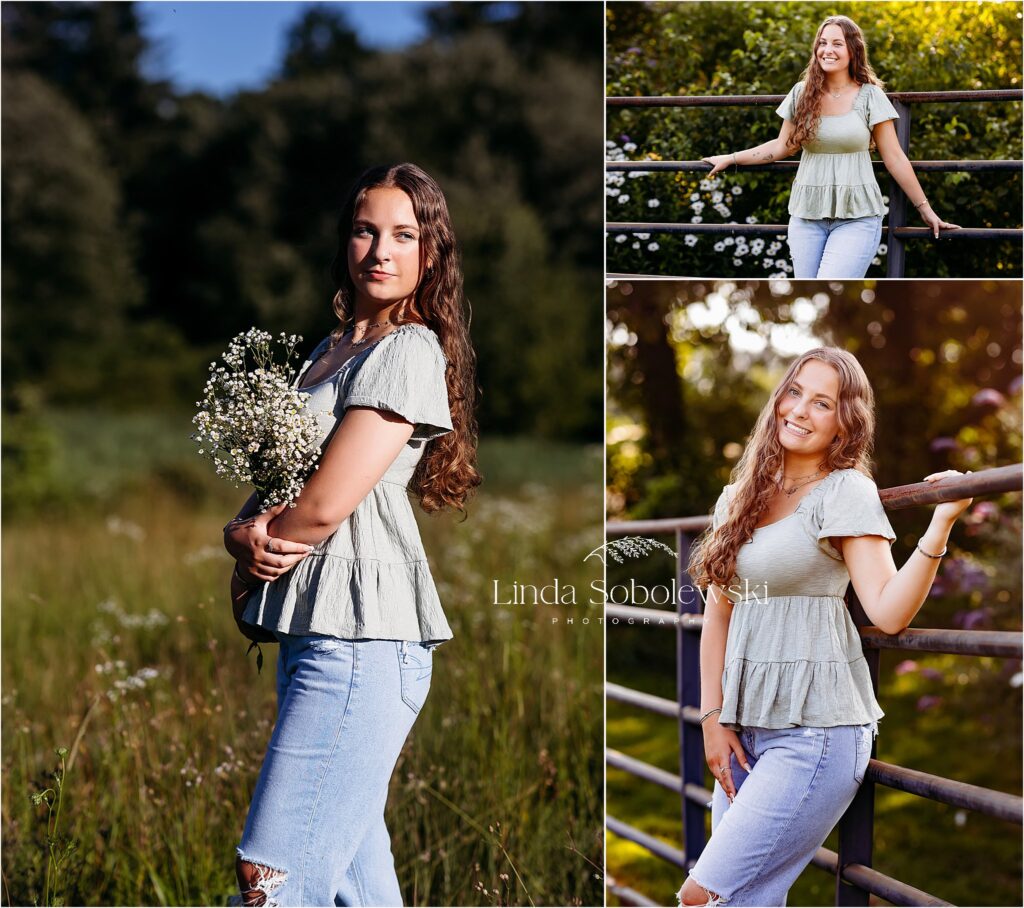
<point x="892" y="890"/>
<point x="907" y="97"/>
<point x="971" y="485"/>
<point x="996" y="804"/>
<point x="915" y="233"/>
<point x="628" y="896"/>
<point x="697" y="793"/>
<point x="697" y="166"/>
<point x="660" y="705"/>
<point x="650" y="843"/>
<point x="666" y="525"/>
<point x="1001" y="644"/>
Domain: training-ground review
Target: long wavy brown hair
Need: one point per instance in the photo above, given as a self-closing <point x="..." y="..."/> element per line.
<point x="758" y="475"/>
<point x="446" y="474"/>
<point x="807" y="116"/>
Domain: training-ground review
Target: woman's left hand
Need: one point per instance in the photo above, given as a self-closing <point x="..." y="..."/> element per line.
<point x="949" y="510"/>
<point x="934" y="222"/>
<point x="239" y="597"/>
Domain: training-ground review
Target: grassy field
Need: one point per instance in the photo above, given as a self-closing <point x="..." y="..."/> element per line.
<point x="118" y="645"/>
<point x="973" y="735"/>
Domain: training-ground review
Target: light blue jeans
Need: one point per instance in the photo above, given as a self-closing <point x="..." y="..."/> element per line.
<point x="316" y="822"/>
<point x="800" y="783"/>
<point x="833" y="247"/>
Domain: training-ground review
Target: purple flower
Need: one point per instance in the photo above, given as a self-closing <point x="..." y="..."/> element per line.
<point x="1015" y="386"/>
<point x="988" y="397"/>
<point x="927" y="702"/>
<point x="985" y="510"/>
<point x="973" y="619"/>
<point x="942" y="443"/>
<point x="932" y="674"/>
<point x="907" y="665"/>
<point x="624" y="138"/>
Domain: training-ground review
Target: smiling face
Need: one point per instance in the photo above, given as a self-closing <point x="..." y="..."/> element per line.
<point x="384" y="248"/>
<point x="806" y="412"/>
<point x="832" y="51"/>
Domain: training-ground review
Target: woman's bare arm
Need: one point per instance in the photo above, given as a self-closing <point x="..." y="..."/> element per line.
<point x="891" y="598"/>
<point x="774" y="150"/>
<point x="902" y="171"/>
<point x="365" y="444"/>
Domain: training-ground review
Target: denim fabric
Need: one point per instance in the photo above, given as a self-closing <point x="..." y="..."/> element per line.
<point x="345" y="708"/>
<point x="800" y="783"/>
<point x="833" y="247"/>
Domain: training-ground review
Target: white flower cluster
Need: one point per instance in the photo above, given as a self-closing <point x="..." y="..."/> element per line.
<point x="254" y="426"/>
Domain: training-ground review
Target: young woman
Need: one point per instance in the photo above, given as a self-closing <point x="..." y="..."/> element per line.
<point x="341" y="580"/>
<point x="788" y="712"/>
<point x="834" y="113"/>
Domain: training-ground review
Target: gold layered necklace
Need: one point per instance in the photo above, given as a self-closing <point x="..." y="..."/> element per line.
<point x="800" y="485"/>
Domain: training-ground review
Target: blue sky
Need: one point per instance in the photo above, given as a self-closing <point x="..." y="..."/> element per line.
<point x="221" y="47"/>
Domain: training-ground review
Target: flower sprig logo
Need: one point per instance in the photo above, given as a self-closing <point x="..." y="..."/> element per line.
<point x="628" y="547"/>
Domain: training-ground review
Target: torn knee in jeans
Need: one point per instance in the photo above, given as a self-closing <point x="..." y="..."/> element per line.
<point x="257" y="882"/>
<point x="693" y="893"/>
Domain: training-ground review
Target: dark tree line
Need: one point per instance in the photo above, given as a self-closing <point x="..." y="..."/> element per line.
<point x="143" y="227"/>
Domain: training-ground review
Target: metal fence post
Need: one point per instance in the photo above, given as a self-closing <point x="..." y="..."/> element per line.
<point x="856" y="826"/>
<point x="691" y="741"/>
<point x="896" y="257"/>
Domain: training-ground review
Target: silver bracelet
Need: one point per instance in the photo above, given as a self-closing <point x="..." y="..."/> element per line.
<point x="735" y="161"/>
<point x="929" y="555"/>
<point x="710" y="712"/>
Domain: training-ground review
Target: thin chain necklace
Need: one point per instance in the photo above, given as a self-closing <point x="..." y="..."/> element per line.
<point x="790" y="491"/>
<point x="364" y="329"/>
<point x="838" y="94"/>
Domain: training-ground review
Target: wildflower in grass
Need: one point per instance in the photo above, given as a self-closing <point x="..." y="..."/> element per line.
<point x="636" y="245"/>
<point x="251" y="413"/>
<point x="653" y="203"/>
<point x="737" y="190"/>
<point x="653" y="247"/>
<point x="697" y="207"/>
<point x="643" y="236"/>
<point x="621" y="238"/>
<point x="751" y="219"/>
<point x="690" y="239"/>
<point x="696" y="219"/>
<point x="118" y="526"/>
<point x="737" y="262"/>
<point x="623" y="198"/>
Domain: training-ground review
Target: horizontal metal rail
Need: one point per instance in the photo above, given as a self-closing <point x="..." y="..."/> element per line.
<point x="970" y="485"/>
<point x="907" y="97"/>
<point x="910" y="233"/>
<point x="992" y="481"/>
<point x="696" y="793"/>
<point x="639" y="699"/>
<point x="920" y="166"/>
<point x="952" y="641"/>
<point x="654" y="846"/>
<point x="1001" y="644"/>
<point x="628" y="896"/>
<point x="892" y="890"/>
<point x="992" y="803"/>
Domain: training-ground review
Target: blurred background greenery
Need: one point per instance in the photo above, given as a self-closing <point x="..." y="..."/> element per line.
<point x="690" y="366"/>
<point x="146" y="225"/>
<point x="761" y="48"/>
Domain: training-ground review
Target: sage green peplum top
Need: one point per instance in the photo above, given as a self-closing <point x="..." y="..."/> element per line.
<point x="793" y="656"/>
<point x="370" y="579"/>
<point x="835" y="178"/>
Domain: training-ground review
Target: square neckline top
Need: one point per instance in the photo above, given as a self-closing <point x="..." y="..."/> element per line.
<point x="793" y="655"/>
<point x="835" y="177"/>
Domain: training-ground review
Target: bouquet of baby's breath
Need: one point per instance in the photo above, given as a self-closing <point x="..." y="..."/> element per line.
<point x="255" y="427"/>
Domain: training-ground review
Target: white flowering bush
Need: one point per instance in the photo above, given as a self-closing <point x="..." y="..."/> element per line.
<point x="255" y="427"/>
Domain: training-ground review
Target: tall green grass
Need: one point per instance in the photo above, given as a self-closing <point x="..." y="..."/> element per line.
<point x="118" y="644"/>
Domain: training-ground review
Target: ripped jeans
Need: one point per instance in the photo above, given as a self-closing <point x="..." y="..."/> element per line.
<point x="315" y="829"/>
<point x="801" y="781"/>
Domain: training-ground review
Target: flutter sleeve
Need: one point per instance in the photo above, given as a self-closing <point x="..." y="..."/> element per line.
<point x="405" y="375"/>
<point x="721" y="509"/>
<point x="879" y="107"/>
<point x="787" y="109"/>
<point x="851" y="507"/>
